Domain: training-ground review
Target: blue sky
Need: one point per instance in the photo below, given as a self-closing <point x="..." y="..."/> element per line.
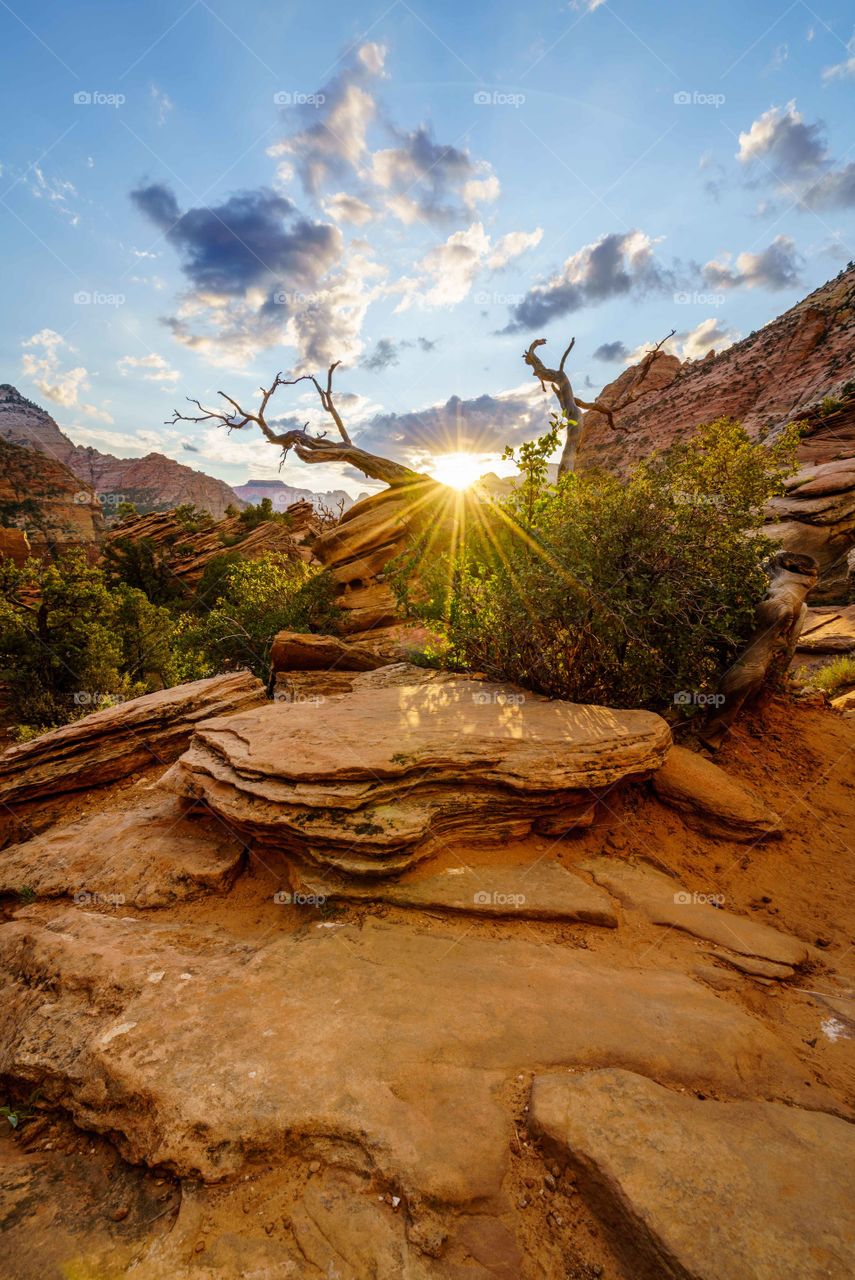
<point x="196" y="196"/>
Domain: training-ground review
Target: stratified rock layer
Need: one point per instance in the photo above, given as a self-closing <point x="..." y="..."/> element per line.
<point x="392" y="1040"/>
<point x="365" y="783"/>
<point x="117" y="741"/>
<point x="704" y="1190"/>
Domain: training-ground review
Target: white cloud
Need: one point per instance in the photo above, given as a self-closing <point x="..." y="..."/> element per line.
<point x="512" y="245"/>
<point x="780" y="139"/>
<point x="153" y="368"/>
<point x="845" y="69"/>
<point x="342" y="207"/>
<point x="162" y="102"/>
<point x="775" y="267"/>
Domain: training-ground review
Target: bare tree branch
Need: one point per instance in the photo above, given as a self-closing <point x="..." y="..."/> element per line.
<point x="308" y="448"/>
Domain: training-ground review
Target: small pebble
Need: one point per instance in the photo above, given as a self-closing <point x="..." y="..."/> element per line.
<point x="119" y="1214"/>
<point x="268" y="1227"/>
<point x="549" y="1182"/>
<point x="200" y="1245"/>
<point x="555" y="1170"/>
<point x="522" y="1203"/>
<point x="315" y="1166"/>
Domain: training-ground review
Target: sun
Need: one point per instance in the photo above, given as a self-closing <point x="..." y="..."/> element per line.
<point x="457" y="470"/>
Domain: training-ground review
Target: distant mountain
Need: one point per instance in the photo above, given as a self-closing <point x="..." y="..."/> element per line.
<point x="284" y="495"/>
<point x="45" y="501"/>
<point x="152" y="483"/>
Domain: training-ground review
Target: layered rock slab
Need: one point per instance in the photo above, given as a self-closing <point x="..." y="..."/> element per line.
<point x="149" y="856"/>
<point x="664" y="901"/>
<point x="365" y="783"/>
<point x="121" y="739"/>
<point x="542" y="891"/>
<point x="710" y="800"/>
<point x="201" y="1055"/>
<point x="704" y="1190"/>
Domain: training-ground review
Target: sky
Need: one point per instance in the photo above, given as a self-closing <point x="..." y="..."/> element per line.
<point x="195" y="197"/>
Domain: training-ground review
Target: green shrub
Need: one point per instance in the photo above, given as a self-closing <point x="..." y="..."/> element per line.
<point x="626" y="592"/>
<point x="835" y="676"/>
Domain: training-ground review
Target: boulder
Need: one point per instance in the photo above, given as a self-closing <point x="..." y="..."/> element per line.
<point x="828" y="631"/>
<point x="297" y="651"/>
<point x="710" y="800"/>
<point x="206" y="1053"/>
<point x="365" y="783"/>
<point x="704" y="1190"/>
<point x="663" y="900"/>
<point x="121" y="739"/>
<point x="149" y="856"/>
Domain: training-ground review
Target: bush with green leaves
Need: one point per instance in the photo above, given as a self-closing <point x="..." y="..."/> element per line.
<point x="241" y="606"/>
<point x="68" y="644"/>
<point x="620" y="591"/>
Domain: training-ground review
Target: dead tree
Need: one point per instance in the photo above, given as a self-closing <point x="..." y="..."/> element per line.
<point x="570" y="403"/>
<point x="307" y="447"/>
<point x="769" y="651"/>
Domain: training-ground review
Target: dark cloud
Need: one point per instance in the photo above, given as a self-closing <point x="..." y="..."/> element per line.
<point x="428" y="179"/>
<point x="384" y="355"/>
<point x="616" y="265"/>
<point x="227" y="248"/>
<point x="483" y="424"/>
<point x="834" y="190"/>
<point x="188" y="447"/>
<point x="776" y="267"/>
<point x="611" y="352"/>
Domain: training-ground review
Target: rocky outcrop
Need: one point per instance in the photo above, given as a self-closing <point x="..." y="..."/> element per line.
<point x="44" y="505"/>
<point x="299" y="651"/>
<point x="121" y="739"/>
<point x="710" y="800"/>
<point x="149" y="856"/>
<point x="828" y="631"/>
<point x="153" y="482"/>
<point x="189" y="554"/>
<point x="358" y="551"/>
<point x="384" y="1043"/>
<point x="664" y="901"/>
<point x="15" y="545"/>
<point x="704" y="1189"/>
<point x="776" y="375"/>
<point x="382" y="773"/>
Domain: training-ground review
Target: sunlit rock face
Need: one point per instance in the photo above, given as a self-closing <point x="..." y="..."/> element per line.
<point x="368" y="783"/>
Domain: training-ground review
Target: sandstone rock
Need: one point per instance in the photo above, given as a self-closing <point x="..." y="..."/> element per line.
<point x="117" y="741"/>
<point x="149" y="856"/>
<point x="204" y="1055"/>
<point x="703" y="1189"/>
<point x="710" y="800"/>
<point x="664" y="901"/>
<point x="15" y="546"/>
<point x="381" y="773"/>
<point x="753" y="967"/>
<point x="51" y="509"/>
<point x="542" y="891"/>
<point x="297" y="651"/>
<point x="829" y="631"/>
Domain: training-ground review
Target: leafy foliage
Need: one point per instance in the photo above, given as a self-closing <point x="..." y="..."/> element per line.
<point x="620" y="591"/>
